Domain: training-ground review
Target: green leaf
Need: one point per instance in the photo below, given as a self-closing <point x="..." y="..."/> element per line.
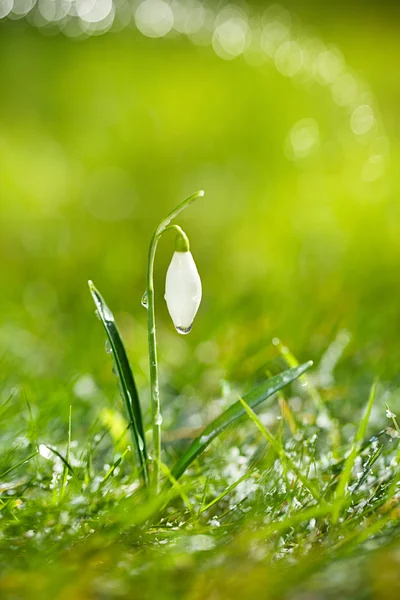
<point x="233" y="413"/>
<point x="25" y="460"/>
<point x="128" y="387"/>
<point x="340" y="492"/>
<point x="279" y="450"/>
<point x="63" y="460"/>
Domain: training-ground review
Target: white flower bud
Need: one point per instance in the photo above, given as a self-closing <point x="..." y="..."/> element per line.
<point x="183" y="291"/>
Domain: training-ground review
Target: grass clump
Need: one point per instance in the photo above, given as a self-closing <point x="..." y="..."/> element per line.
<point x="269" y="503"/>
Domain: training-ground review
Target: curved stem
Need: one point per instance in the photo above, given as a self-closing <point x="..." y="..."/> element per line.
<point x="153" y="360"/>
<point x="152" y="339"/>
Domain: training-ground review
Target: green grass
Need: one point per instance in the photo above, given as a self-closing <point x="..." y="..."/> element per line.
<point x="279" y="480"/>
<point x="268" y="511"/>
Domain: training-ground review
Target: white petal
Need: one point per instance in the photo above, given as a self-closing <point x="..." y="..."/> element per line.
<point x="183" y="290"/>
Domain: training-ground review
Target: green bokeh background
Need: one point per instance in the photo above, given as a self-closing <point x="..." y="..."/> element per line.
<point x="100" y="138"/>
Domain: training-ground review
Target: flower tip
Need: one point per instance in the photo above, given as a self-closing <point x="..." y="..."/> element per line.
<point x="184" y="330"/>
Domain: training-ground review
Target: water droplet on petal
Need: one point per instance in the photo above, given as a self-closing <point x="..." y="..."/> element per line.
<point x="144" y="301"/>
<point x="183" y="330"/>
<point x="108" y="346"/>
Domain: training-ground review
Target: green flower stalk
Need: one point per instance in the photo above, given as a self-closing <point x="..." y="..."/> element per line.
<point x="180" y="288"/>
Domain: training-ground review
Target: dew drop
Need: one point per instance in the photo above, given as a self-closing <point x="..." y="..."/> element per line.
<point x="96" y="312"/>
<point x="107" y="346"/>
<point x="144" y="301"/>
<point x="183" y="330"/>
<point x="107" y="314"/>
<point x="158" y="419"/>
<point x="205" y="439"/>
<point x="140" y="444"/>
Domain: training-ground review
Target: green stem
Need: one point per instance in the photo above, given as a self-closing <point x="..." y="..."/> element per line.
<point x="152" y="339"/>
<point x="153" y="361"/>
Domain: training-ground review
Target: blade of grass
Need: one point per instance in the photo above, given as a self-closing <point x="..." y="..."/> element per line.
<point x="235" y="412"/>
<point x="287" y="414"/>
<point x="230" y="488"/>
<point x="63" y="460"/>
<point x="128" y="386"/>
<point x="292" y="361"/>
<point x="175" y="484"/>
<point x="280" y="451"/>
<point x="314" y="512"/>
<point x="369" y="464"/>
<point x="115" y="464"/>
<point x="204" y="507"/>
<point x="18" y="465"/>
<point x="324" y="418"/>
<point x="341" y="488"/>
<point x="65" y="472"/>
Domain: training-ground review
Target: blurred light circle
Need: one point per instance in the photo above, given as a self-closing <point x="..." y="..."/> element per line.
<point x="374" y="168"/>
<point x="22" y="7"/>
<point x="85" y="387"/>
<point x="252" y="54"/>
<point x="329" y="65"/>
<point x="189" y="16"/>
<point x="5" y="7"/>
<point x="98" y="27"/>
<point x="273" y="35"/>
<point x="312" y="47"/>
<point x="344" y="89"/>
<point x="154" y="18"/>
<point x="289" y="59"/>
<point x="200" y="25"/>
<point x="276" y="13"/>
<point x="54" y="10"/>
<point x="380" y="145"/>
<point x="122" y="15"/>
<point x="83" y="7"/>
<point x="180" y="12"/>
<point x="230" y="38"/>
<point x="362" y="119"/>
<point x="303" y="138"/>
<point x="94" y="11"/>
<point x="195" y="20"/>
<point x="73" y="28"/>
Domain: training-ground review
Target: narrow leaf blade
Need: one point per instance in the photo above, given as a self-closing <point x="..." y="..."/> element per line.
<point x="128" y="386"/>
<point x="340" y="492"/>
<point x="276" y="446"/>
<point x="235" y="412"/>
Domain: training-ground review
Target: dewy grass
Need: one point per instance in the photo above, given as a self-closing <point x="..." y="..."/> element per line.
<point x="341" y="488"/>
<point x="296" y="504"/>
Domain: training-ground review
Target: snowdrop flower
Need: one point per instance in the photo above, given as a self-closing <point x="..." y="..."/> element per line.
<point x="182" y="286"/>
